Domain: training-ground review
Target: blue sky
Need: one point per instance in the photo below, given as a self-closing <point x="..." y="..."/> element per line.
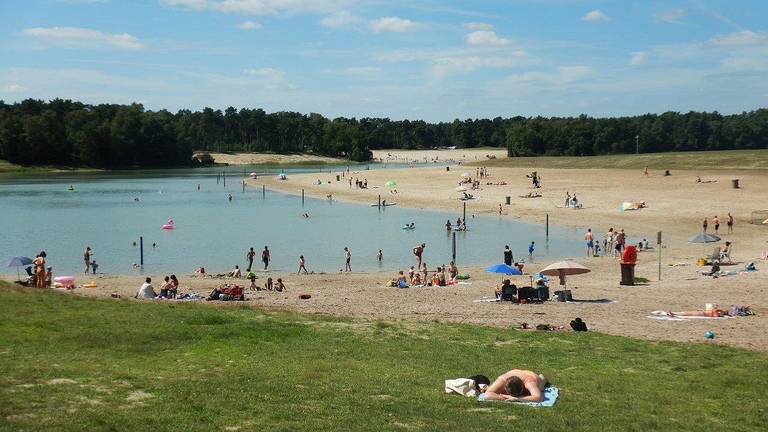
<point x="431" y="60"/>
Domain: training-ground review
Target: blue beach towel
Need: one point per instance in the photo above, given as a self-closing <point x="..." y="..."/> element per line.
<point x="550" y="397"/>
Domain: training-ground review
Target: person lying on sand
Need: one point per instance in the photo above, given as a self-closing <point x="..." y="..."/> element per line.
<point x="531" y="195"/>
<point x="517" y="385"/>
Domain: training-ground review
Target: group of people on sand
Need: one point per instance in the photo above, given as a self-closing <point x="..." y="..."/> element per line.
<point x="360" y="184"/>
<point x="419" y="276"/>
<point x="169" y="289"/>
<point x="482" y="172"/>
<point x="571" y="201"/>
<point x="716" y="223"/>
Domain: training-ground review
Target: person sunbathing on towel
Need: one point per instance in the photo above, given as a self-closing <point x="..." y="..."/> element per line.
<point x="699" y="313"/>
<point x="517" y="386"/>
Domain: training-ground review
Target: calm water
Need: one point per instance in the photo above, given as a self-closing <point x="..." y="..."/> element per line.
<point x="38" y="213"/>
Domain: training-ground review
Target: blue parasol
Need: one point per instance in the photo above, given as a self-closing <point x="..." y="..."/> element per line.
<point x="503" y="269"/>
<point x="19" y="261"/>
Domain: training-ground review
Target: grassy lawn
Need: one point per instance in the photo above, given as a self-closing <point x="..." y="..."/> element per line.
<point x="71" y="363"/>
<point x="730" y="160"/>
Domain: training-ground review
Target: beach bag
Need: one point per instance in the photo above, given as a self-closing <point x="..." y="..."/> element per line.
<point x="214" y="295"/>
<point x="578" y="325"/>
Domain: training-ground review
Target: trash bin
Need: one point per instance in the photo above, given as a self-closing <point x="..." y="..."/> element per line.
<point x="735" y="183"/>
<point x="509" y="200"/>
<point x="447" y="168"/>
<point x="627" y="274"/>
<point x="667" y="173"/>
<point x="338" y="177"/>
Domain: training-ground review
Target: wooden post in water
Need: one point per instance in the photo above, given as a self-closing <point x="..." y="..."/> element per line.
<point x="243" y="185"/>
<point x="141" y="250"/>
<point x="302" y="197"/>
<point x="224" y="175"/>
<point x="453" y="244"/>
<point x="379" y="201"/>
<point x="218" y="175"/>
<point x="263" y="192"/>
<point x="465" y="215"/>
<point x="546" y="226"/>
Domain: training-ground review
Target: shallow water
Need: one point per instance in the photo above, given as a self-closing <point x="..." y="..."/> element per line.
<point x="38" y="213"/>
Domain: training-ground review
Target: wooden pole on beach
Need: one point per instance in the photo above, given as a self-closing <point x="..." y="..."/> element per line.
<point x="546" y="226"/>
<point x="453" y="247"/>
<point x="658" y="245"/>
<point x="141" y="250"/>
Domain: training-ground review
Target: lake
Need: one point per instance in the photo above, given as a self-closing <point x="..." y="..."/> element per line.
<point x="39" y="213"/>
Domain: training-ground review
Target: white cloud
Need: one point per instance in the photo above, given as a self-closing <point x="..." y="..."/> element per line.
<point x="595" y="16"/>
<point x="672" y="16"/>
<point x="744" y="37"/>
<point x="83" y="37"/>
<point x="445" y="66"/>
<point x="363" y="72"/>
<point x="14" y="88"/>
<point x="573" y="73"/>
<point x="486" y="37"/>
<point x="638" y="58"/>
<point x="269" y="73"/>
<point x="340" y="19"/>
<point x="478" y="26"/>
<point x="393" y="24"/>
<point x="262" y="7"/>
<point x="249" y="25"/>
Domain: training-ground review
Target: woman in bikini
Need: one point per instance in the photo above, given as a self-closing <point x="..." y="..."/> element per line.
<point x="39" y="263"/>
<point x="517" y="385"/>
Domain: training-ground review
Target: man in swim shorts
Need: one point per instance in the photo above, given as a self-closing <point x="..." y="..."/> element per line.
<point x="347" y="259"/>
<point x="265" y="257"/>
<point x="418" y="251"/>
<point x="249" y="256"/>
<point x="590" y="242"/>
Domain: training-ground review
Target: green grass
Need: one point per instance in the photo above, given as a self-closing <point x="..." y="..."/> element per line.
<point x="726" y="160"/>
<point x="164" y="366"/>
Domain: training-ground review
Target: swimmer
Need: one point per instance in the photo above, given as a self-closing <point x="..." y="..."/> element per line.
<point x="229" y="197"/>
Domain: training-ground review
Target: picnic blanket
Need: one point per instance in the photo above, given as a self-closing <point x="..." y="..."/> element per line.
<point x="550" y="397"/>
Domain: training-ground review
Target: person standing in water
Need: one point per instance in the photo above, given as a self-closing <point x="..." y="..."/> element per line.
<point x="531" y="248"/>
<point x="87" y="258"/>
<point x="347" y="259"/>
<point x="508" y="258"/>
<point x="265" y="257"/>
<point x="302" y="265"/>
<point x="418" y="251"/>
<point x="590" y="239"/>
<point x="249" y="256"/>
<point x="380" y="256"/>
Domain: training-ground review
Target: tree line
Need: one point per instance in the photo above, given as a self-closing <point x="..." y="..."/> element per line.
<point x="64" y="132"/>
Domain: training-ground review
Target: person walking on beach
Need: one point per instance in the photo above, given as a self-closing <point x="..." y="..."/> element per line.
<point x="424" y="271"/>
<point x="249" y="256"/>
<point x="590" y="242"/>
<point x="645" y="171"/>
<point x="729" y="223"/>
<point x="418" y="251"/>
<point x="347" y="259"/>
<point x="621" y="237"/>
<point x="265" y="257"/>
<point x="716" y="223"/>
<point x="705" y="224"/>
<point x="508" y="256"/>
<point x="567" y="199"/>
<point x="87" y="258"/>
<point x="302" y="265"/>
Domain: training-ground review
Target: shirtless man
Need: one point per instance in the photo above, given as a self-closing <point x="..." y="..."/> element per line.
<point x="517" y="386"/>
<point x="302" y="265"/>
<point x="729" y="222"/>
<point x="417" y="252"/>
<point x="590" y="239"/>
<point x="249" y="256"/>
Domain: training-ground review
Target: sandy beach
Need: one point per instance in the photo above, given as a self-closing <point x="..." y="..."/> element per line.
<point x="676" y="206"/>
<point x="272" y="159"/>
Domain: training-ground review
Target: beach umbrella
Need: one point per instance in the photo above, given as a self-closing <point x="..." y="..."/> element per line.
<point x="503" y="269"/>
<point x="704" y="238"/>
<point x="19" y="261"/>
<point x="562" y="269"/>
<point x="390" y="183"/>
<point x="461" y="189"/>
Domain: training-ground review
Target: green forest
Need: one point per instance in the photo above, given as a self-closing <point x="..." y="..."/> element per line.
<point x="69" y="133"/>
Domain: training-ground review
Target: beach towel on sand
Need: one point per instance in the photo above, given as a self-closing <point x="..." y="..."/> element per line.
<point x="664" y="316"/>
<point x="550" y="397"/>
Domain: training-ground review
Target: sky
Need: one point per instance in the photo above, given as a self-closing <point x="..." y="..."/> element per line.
<point x="403" y="59"/>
